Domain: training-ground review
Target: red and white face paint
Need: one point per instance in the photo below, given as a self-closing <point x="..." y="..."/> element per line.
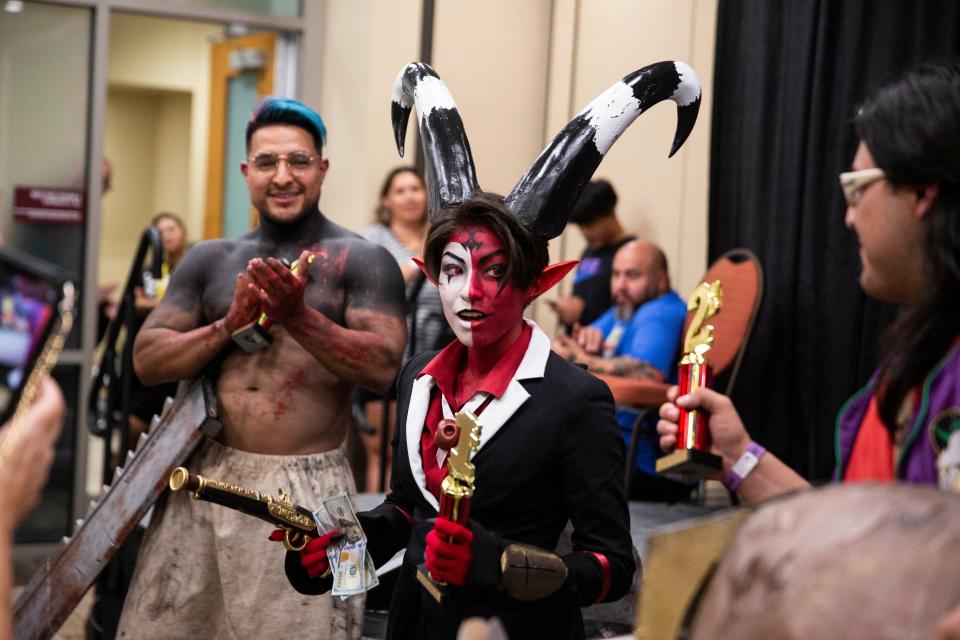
<point x="480" y="306"/>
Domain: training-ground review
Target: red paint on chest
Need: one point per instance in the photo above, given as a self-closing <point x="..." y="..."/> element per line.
<point x="296" y="379"/>
<point x="329" y="265"/>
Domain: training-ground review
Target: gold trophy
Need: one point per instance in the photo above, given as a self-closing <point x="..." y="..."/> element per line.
<point x="254" y="336"/>
<point x="692" y="459"/>
<point x="456" y="490"/>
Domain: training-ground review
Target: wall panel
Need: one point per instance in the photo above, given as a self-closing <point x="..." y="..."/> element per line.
<point x="348" y="76"/>
<point x="661" y="199"/>
<point x="519" y="71"/>
<point x="494" y="56"/>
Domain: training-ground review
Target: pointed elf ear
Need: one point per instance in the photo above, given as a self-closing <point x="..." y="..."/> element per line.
<point x="551" y="275"/>
<point x="423" y="268"/>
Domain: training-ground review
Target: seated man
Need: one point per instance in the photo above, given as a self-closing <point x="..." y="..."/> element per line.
<point x="639" y="336"/>
<point x="596" y="215"/>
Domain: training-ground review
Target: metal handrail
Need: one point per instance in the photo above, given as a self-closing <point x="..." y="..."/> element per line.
<point x="109" y="401"/>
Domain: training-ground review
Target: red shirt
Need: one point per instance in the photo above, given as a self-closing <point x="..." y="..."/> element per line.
<point x="443" y="369"/>
<point x="872" y="455"/>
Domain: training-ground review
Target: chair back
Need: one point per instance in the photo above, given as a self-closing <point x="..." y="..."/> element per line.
<point x="741" y="276"/>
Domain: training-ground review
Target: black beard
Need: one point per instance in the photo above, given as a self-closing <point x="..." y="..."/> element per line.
<point x="308" y="209"/>
<point x="624" y="312"/>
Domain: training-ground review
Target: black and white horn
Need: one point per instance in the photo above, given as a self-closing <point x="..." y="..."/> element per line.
<point x="451" y="177"/>
<point x="545" y="195"/>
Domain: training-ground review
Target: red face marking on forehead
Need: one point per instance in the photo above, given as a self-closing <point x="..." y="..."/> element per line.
<point x="486" y="302"/>
<point x="478" y="240"/>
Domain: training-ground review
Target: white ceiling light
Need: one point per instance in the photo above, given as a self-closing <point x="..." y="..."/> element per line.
<point x="13" y="6"/>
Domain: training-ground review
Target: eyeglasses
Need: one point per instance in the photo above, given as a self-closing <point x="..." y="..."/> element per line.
<point x="854" y="183"/>
<point x="298" y="162"/>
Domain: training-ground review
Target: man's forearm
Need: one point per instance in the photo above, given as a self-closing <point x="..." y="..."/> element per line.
<point x="769" y="479"/>
<point x="360" y="357"/>
<point x="624" y="366"/>
<point x="165" y="355"/>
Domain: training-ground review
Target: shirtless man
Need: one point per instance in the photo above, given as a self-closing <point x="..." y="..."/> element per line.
<point x="202" y="571"/>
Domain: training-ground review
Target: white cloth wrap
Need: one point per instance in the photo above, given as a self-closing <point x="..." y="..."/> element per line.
<point x="206" y="571"/>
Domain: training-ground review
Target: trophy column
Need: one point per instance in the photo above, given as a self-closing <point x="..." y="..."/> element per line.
<point x="456" y="490"/>
<point x="692" y="459"/>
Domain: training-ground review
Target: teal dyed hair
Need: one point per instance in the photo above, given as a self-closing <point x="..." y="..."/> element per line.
<point x="291" y="112"/>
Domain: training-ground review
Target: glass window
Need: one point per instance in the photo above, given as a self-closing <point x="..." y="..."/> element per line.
<point x="282" y="8"/>
<point x="44" y="97"/>
<point x="44" y="93"/>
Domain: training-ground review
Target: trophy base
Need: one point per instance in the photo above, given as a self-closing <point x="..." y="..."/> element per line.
<point x="252" y="337"/>
<point x="432" y="587"/>
<point x="690" y="464"/>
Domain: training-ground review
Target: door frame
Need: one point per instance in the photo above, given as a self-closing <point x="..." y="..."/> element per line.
<point x="220" y="75"/>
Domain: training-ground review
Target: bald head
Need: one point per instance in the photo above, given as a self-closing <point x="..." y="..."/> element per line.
<point x="639" y="274"/>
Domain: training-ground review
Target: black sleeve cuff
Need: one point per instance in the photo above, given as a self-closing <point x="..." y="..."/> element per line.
<point x="301" y="580"/>
<point x="387" y="530"/>
<point x="590" y="579"/>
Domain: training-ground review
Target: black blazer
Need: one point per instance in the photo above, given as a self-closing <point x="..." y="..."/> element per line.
<point x="552" y="453"/>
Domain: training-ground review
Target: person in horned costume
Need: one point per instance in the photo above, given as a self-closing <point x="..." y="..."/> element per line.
<point x="548" y="449"/>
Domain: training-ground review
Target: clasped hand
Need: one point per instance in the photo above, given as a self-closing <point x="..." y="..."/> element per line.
<point x="313" y="557"/>
<point x="267" y="286"/>
<point x="729" y="438"/>
<point x="277" y="288"/>
<point x="583" y="342"/>
<point x="448" y="552"/>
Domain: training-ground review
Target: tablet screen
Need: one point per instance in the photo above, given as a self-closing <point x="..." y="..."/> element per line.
<point x="27" y="306"/>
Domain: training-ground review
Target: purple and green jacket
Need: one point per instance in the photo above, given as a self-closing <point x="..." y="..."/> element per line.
<point x="936" y="416"/>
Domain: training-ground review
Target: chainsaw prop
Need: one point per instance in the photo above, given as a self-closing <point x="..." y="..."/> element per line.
<point x="56" y="588"/>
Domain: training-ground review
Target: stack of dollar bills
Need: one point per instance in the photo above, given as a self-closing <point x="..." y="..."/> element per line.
<point x="353" y="570"/>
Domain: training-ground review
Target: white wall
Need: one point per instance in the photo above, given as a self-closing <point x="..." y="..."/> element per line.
<point x="661" y="199"/>
<point x="351" y="55"/>
<point x="519" y="71"/>
<point x="147" y="141"/>
<point x="493" y="56"/>
<point x="170" y="55"/>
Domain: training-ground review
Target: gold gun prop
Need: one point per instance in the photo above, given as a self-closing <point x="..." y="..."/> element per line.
<point x="297" y="522"/>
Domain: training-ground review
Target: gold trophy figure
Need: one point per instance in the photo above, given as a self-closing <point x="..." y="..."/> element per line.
<point x="254" y="336"/>
<point x="456" y="490"/>
<point x="692" y="459"/>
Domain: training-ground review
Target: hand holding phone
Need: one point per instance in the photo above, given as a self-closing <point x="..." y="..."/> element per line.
<point x="31" y="293"/>
<point x="26" y="452"/>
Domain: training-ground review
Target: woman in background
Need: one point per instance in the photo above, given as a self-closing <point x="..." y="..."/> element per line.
<point x="147" y="401"/>
<point x="401" y="228"/>
<point x="173" y="233"/>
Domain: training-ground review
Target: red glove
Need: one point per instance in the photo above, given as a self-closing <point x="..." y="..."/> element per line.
<point x="313" y="557"/>
<point x="448" y="551"/>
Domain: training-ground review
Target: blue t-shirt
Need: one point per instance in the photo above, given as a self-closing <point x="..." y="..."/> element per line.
<point x="652" y="335"/>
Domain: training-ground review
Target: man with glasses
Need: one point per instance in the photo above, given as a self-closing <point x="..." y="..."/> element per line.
<point x="903" y="204"/>
<point x="336" y="320"/>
